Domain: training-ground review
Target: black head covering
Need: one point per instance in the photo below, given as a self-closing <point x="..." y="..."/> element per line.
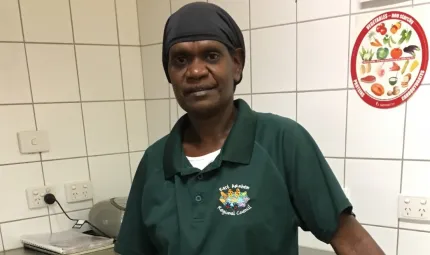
<point x="201" y="21"/>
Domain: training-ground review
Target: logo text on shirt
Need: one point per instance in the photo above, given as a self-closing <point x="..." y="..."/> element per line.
<point x="234" y="199"/>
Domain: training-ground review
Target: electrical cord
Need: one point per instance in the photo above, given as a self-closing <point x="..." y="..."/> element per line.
<point x="51" y="199"/>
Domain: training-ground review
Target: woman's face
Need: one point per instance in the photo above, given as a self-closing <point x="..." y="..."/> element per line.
<point x="202" y="74"/>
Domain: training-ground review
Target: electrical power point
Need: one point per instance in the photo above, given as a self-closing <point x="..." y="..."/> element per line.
<point x="414" y="208"/>
<point x="35" y="196"/>
<point x="78" y="191"/>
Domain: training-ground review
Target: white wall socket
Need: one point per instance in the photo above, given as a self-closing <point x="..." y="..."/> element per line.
<point x="35" y="196"/>
<point x="414" y="208"/>
<point x="78" y="191"/>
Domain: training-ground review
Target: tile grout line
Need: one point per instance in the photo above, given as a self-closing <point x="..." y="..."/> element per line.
<point x="80" y="44"/>
<point x="67" y="158"/>
<point x="122" y="87"/>
<point x="347" y="93"/>
<point x="32" y="97"/>
<point x="297" y="62"/>
<point x="402" y="169"/>
<point x="1" y="239"/>
<point x="143" y="77"/>
<point x="165" y="98"/>
<point x="80" y="95"/>
<point x="43" y="216"/>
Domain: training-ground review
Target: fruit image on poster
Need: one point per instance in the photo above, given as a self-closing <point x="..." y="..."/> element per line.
<point x="389" y="59"/>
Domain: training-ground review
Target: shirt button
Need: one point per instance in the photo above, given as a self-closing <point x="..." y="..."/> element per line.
<point x="198" y="198"/>
<point x="199" y="177"/>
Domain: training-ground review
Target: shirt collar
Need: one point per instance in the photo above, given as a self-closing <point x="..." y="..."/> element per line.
<point x="237" y="148"/>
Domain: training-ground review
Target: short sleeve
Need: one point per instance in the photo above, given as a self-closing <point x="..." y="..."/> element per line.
<point x="133" y="238"/>
<point x="315" y="192"/>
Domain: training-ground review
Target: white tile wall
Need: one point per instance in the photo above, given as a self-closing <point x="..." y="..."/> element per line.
<point x="87" y="29"/>
<point x="88" y="96"/>
<point x="46" y="21"/>
<point x="100" y="117"/>
<point x="14" y="84"/>
<point x="59" y="62"/>
<point x="110" y="175"/>
<point x="10" y="23"/>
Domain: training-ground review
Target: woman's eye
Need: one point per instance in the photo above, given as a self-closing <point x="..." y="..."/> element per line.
<point x="213" y="56"/>
<point x="180" y="60"/>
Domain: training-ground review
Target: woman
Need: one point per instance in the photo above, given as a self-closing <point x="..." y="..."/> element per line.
<point x="229" y="180"/>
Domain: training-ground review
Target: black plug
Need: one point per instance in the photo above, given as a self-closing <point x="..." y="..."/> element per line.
<point x="49" y="199"/>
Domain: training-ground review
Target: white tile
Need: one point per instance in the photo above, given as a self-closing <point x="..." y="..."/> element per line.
<point x="136" y="125"/>
<point x="274" y="70"/>
<point x="374" y="186"/>
<point x="181" y="111"/>
<point x="61" y="223"/>
<point x="135" y="158"/>
<point x="318" y="68"/>
<point x="283" y="104"/>
<point x="323" y="114"/>
<point x="156" y="85"/>
<point x="14" y="84"/>
<point x="238" y="10"/>
<point x="105" y="128"/>
<point x="415" y="183"/>
<point x="417" y="140"/>
<point x="272" y="12"/>
<point x="10" y="23"/>
<point x="372" y="132"/>
<point x="99" y="72"/>
<point x="412" y="242"/>
<point x="338" y="166"/>
<point x="46" y="21"/>
<point x="29" y="175"/>
<point x="357" y="6"/>
<point x="421" y="1"/>
<point x="63" y="122"/>
<point x="309" y="9"/>
<point x="89" y="29"/>
<point x="158" y="119"/>
<point x="176" y="4"/>
<point x="13" y="231"/>
<point x="153" y="15"/>
<point x="386" y="238"/>
<point x="132" y="73"/>
<point x="110" y="176"/>
<point x="128" y="23"/>
<point x="60" y="172"/>
<point x="244" y="87"/>
<point x="173" y="112"/>
<point x="53" y="72"/>
<point x="246" y="98"/>
<point x="14" y="119"/>
<point x="308" y="240"/>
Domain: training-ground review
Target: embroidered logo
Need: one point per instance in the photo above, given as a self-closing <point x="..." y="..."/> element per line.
<point x="234" y="200"/>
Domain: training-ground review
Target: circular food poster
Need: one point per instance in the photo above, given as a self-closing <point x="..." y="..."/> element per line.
<point x="389" y="59"/>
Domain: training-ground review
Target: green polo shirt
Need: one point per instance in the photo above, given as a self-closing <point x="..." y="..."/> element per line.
<point x="269" y="179"/>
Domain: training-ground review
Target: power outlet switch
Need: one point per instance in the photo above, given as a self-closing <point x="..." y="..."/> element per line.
<point x="414" y="208"/>
<point x="78" y="191"/>
<point x="35" y="196"/>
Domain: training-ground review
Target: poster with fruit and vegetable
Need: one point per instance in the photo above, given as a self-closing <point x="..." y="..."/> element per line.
<point x="389" y="59"/>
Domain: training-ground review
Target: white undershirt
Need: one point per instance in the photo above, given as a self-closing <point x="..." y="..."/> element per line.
<point x="203" y="161"/>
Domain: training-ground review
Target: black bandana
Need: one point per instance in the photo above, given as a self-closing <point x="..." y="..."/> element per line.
<point x="201" y="21"/>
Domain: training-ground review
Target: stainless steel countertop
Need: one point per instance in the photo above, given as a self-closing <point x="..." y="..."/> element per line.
<point x="303" y="251"/>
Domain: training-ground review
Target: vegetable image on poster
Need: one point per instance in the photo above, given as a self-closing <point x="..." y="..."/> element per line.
<point x="389" y="59"/>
